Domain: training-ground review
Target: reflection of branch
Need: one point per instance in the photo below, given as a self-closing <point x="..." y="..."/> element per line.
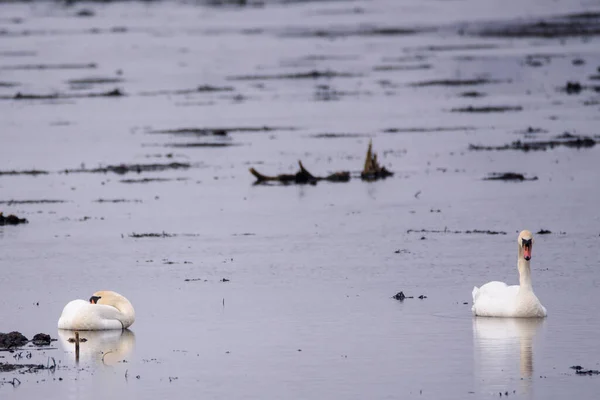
<point x="104" y="355"/>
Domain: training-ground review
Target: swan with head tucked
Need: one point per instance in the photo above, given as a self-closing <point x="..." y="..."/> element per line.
<point x="105" y="310"/>
<point x="497" y="299"/>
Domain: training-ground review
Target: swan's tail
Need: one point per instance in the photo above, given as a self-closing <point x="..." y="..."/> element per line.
<point x="475" y="296"/>
<point x="475" y="293"/>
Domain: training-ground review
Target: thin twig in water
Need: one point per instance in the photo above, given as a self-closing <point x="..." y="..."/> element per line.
<point x="417" y="194"/>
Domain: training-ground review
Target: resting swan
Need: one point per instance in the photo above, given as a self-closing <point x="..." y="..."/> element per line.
<point x="105" y="310"/>
<point x="496" y="299"/>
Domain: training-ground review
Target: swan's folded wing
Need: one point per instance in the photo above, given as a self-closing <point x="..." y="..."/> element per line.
<point x="81" y="315"/>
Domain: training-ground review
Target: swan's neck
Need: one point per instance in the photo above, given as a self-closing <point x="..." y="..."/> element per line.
<point x="127" y="313"/>
<point x="524" y="272"/>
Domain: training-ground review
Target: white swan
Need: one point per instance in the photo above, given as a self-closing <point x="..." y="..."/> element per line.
<point x="497" y="299"/>
<point x="105" y="310"/>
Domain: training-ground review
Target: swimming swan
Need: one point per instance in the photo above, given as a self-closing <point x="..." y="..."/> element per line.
<point x="105" y="310"/>
<point x="496" y="299"/>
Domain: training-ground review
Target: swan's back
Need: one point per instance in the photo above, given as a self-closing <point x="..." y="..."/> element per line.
<point x="84" y="316"/>
<point x="497" y="299"/>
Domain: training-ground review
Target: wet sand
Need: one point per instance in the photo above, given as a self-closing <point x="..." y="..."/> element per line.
<point x="127" y="134"/>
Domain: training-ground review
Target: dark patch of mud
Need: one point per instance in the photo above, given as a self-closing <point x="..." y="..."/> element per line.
<point x="487" y="109"/>
<point x="41" y="339"/>
<point x="221" y="131"/>
<point x="28" y="67"/>
<point x="338" y="135"/>
<point x="582" y="24"/>
<point x="327" y="74"/>
<point x="543" y="232"/>
<point x="12" y="339"/>
<point x="429" y="130"/>
<point x="42" y="201"/>
<point x="456" y="82"/>
<point x="11" y="220"/>
<point x="468" y="232"/>
<point x="32" y="172"/>
<point x="508" y="176"/>
<point x="114" y="201"/>
<point x="401" y="67"/>
<point x="566" y="140"/>
<point x="152" y="180"/>
<point x="123" y="169"/>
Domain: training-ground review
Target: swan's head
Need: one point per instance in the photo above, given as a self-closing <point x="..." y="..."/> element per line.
<point x="525" y="241"/>
<point x="108" y="298"/>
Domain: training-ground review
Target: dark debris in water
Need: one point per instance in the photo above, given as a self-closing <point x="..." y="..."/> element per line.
<point x="566" y="139"/>
<point x="339" y="32"/>
<point x="372" y="170"/>
<point x="300" y="177"/>
<point x="487" y="109"/>
<point x="32" y="172"/>
<point x="579" y="370"/>
<point x="455" y="82"/>
<point x="122" y="169"/>
<point x="117" y="201"/>
<point x="42" y="201"/>
<point x="338" y="135"/>
<point x="570" y="25"/>
<point x="315" y="74"/>
<point x="41" y="339"/>
<point x="63" y="96"/>
<point x="11" y="219"/>
<point x="508" y="176"/>
<point x="150" y="180"/>
<point x="151" y="235"/>
<point x="544" y="232"/>
<point x="429" y="130"/>
<point x="48" y="66"/>
<point x="400" y="296"/>
<point x="192" y="145"/>
<point x="468" y="232"/>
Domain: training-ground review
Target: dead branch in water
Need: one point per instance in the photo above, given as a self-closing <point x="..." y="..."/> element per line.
<point x="300" y="177"/>
<point x="372" y="170"/>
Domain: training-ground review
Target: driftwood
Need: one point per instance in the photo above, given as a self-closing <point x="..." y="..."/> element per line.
<point x="11" y="220"/>
<point x="300" y="177"/>
<point x="372" y="170"/>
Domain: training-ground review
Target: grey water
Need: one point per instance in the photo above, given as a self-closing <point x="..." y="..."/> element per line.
<point x="285" y="291"/>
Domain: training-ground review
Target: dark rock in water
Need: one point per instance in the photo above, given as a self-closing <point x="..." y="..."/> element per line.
<point x="12" y="339"/>
<point x="399" y="296"/>
<point x="576" y="367"/>
<point x="544" y="232"/>
<point x="42" y="339"/>
<point x="422" y="297"/>
<point x="11" y="220"/>
<point x="573" y="88"/>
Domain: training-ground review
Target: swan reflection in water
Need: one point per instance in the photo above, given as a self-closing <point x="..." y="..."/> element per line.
<point x="501" y="346"/>
<point x="100" y="347"/>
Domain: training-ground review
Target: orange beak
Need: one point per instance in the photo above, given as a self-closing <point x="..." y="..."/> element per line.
<point x="527" y="252"/>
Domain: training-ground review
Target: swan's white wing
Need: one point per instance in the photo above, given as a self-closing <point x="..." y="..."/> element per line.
<point x="84" y="316"/>
<point x="494" y="299"/>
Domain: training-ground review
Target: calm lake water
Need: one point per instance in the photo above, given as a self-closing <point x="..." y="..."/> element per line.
<point x="307" y="312"/>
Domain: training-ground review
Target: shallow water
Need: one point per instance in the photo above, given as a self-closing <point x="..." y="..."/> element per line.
<point x="307" y="312"/>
